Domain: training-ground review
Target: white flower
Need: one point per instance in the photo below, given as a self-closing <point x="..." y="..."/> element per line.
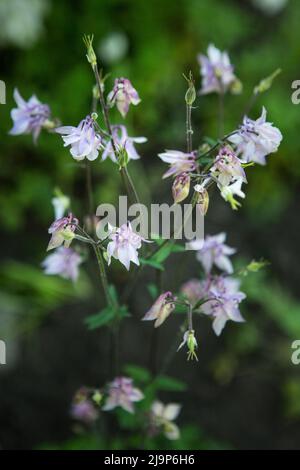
<point x="60" y="204"/>
<point x="180" y="162"/>
<point x="163" y="417"/>
<point x="256" y="139"/>
<point x="124" y="245"/>
<point x="122" y="139"/>
<point x="234" y="189"/>
<point x="85" y="142"/>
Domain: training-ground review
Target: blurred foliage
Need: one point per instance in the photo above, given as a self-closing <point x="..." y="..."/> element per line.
<point x="153" y="43"/>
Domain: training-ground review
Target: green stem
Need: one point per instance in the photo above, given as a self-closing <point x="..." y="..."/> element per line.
<point x="102" y="272"/>
<point x="189" y="130"/>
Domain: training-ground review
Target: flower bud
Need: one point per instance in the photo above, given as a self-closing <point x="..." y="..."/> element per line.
<point x="181" y="187"/>
<point x="236" y="87"/>
<point x="97" y="397"/>
<point x="266" y="83"/>
<point x="122" y="157"/>
<point x="91" y="56"/>
<point x="190" y="95"/>
<point x="192" y="345"/>
<point x="203" y="199"/>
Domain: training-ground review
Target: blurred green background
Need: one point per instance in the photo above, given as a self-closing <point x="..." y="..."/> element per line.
<point x="244" y="392"/>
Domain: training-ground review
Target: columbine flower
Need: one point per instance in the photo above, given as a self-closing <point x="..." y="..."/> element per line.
<point x="225" y="303"/>
<point x="214" y="251"/>
<point x="256" y="139"/>
<point x="227" y="167"/>
<point x="123" y="394"/>
<point x="162" y="417"/>
<point x="180" y="162"/>
<point x="161" y="309"/>
<point x="124" y="245"/>
<point x="193" y="290"/>
<point x="122" y="139"/>
<point x="181" y="187"/>
<point x="63" y="262"/>
<point x="203" y="197"/>
<point x="191" y="342"/>
<point x="85" y="142"/>
<point x="82" y="408"/>
<point x="60" y="204"/>
<point x="228" y="193"/>
<point x="29" y="117"/>
<point x="62" y="232"/>
<point x="123" y="94"/>
<point x="217" y="72"/>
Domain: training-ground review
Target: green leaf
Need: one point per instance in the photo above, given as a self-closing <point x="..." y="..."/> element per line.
<point x="137" y="373"/>
<point x="152" y="263"/>
<point x="100" y="319"/>
<point x="163" y="382"/>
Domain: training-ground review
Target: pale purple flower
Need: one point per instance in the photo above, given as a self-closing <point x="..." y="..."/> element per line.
<point x="181" y="187"/>
<point x="84" y="140"/>
<point x="62" y="231"/>
<point x="223" y="302"/>
<point x="161" y="309"/>
<point x="124" y="245"/>
<point x="122" y="139"/>
<point x="180" y="162"/>
<point x="122" y="393"/>
<point x="193" y="290"/>
<point x="29" y="117"/>
<point x="215" y="252"/>
<point x="256" y="139"/>
<point x="217" y="71"/>
<point x="123" y="94"/>
<point x="63" y="262"/>
<point x="82" y="408"/>
<point x="227" y="167"/>
<point x="162" y="417"/>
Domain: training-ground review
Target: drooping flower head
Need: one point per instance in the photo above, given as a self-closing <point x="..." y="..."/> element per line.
<point x="214" y="252"/>
<point x="162" y="417"/>
<point x="217" y="72"/>
<point x="256" y="139"/>
<point x="223" y="302"/>
<point x="233" y="189"/>
<point x="62" y="231"/>
<point x="227" y="167"/>
<point x="63" y="262"/>
<point x="122" y="139"/>
<point x="181" y="187"/>
<point x="84" y="140"/>
<point x="83" y="409"/>
<point x="122" y="393"/>
<point x="124" y="245"/>
<point x="123" y="94"/>
<point x="29" y="117"/>
<point x="161" y="309"/>
<point x="180" y="162"/>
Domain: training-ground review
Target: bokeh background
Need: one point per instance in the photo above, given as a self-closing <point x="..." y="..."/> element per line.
<point x="244" y="392"/>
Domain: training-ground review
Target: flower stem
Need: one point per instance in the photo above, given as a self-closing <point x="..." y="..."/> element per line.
<point x="189" y="130"/>
<point x="129" y="185"/>
<point x="102" y="272"/>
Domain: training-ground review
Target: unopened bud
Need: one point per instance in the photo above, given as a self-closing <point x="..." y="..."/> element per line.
<point x="97" y="397"/>
<point x="181" y="187"/>
<point x="192" y="345"/>
<point x="203" y="199"/>
<point x="190" y="94"/>
<point x="266" y="83"/>
<point x="91" y="56"/>
<point x="122" y="157"/>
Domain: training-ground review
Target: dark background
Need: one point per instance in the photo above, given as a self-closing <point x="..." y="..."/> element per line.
<point x="244" y="392"/>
